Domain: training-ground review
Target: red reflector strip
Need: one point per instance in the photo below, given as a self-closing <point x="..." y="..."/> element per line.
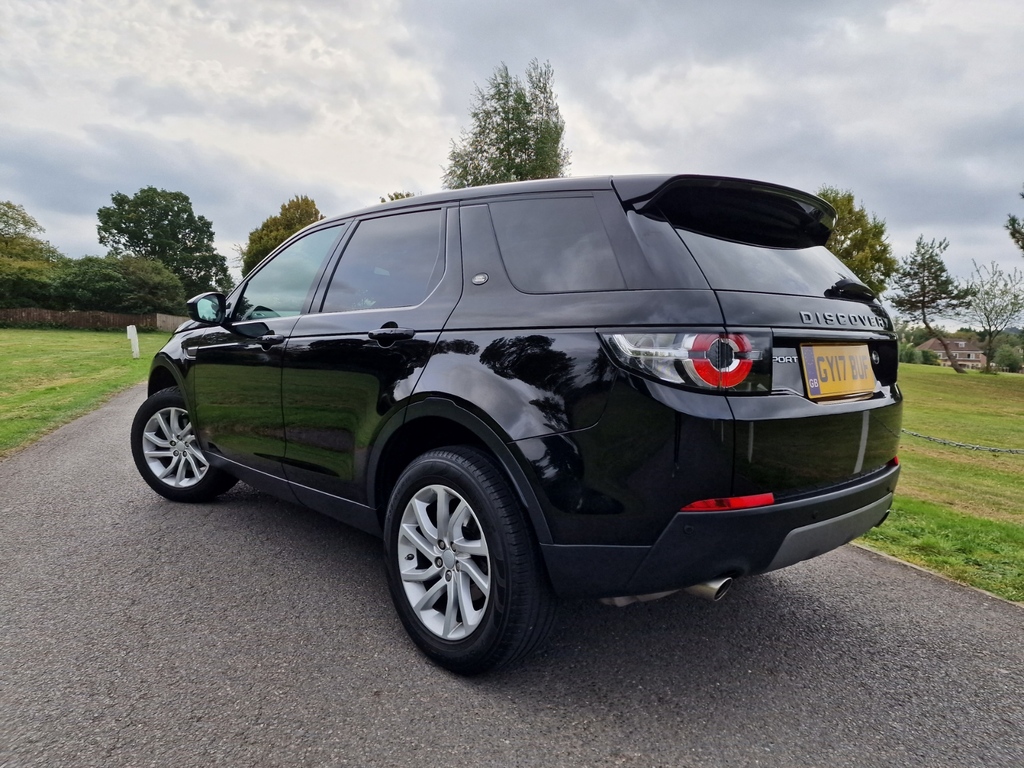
<point x="895" y="461"/>
<point x="733" y="502"/>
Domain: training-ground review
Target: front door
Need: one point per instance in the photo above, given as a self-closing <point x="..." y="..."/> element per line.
<point x="237" y="371"/>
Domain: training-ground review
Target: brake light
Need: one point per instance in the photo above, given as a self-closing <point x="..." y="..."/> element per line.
<point x="730" y="503"/>
<point x="718" y="361"/>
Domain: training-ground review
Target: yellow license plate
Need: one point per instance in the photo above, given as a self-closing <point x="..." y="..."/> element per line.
<point x="837" y="370"/>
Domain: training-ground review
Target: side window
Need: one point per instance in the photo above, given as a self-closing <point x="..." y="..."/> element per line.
<point x="281" y="286"/>
<point x="555" y="245"/>
<point x="393" y="261"/>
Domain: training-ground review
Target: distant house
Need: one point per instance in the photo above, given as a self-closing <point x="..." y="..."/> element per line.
<point x="967" y="353"/>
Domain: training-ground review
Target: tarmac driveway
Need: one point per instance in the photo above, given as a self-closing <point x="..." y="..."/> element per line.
<point x="249" y="632"/>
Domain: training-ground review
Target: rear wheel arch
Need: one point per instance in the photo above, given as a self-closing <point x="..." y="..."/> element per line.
<point x="437" y="423"/>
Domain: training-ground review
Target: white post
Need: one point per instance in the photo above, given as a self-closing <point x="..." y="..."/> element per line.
<point x="133" y="336"/>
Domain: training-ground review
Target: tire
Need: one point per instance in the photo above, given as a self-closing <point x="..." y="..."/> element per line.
<point x="167" y="453"/>
<point x="471" y="592"/>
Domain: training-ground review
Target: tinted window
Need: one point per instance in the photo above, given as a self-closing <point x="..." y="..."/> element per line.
<point x="739" y="267"/>
<point x="555" y="245"/>
<point x="389" y="262"/>
<point x="671" y="263"/>
<point x="280" y="287"/>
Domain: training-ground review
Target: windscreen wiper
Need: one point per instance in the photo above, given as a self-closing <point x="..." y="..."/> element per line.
<point x="845" y="288"/>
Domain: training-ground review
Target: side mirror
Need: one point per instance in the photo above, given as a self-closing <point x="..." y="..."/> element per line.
<point x="207" y="308"/>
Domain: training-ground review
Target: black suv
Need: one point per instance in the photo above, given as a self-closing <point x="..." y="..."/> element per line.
<point x="603" y="387"/>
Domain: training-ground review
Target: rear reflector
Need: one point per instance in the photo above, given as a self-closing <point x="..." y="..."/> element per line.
<point x="733" y="502"/>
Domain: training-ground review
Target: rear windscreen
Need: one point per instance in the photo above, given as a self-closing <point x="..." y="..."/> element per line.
<point x="730" y="266"/>
<point x="682" y="259"/>
<point x="742" y="236"/>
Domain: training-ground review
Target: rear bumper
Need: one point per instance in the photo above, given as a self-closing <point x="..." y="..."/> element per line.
<point x="697" y="547"/>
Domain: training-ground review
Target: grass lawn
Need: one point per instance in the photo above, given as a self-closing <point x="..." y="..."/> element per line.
<point x="50" y="377"/>
<point x="960" y="512"/>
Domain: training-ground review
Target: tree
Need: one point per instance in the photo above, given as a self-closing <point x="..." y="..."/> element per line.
<point x="160" y="225"/>
<point x="392" y="196"/>
<point x="859" y="240"/>
<point x="1016" y="229"/>
<point x="516" y="135"/>
<point x="300" y="211"/>
<point x="926" y="289"/>
<point x="18" y="238"/>
<point x="997" y="299"/>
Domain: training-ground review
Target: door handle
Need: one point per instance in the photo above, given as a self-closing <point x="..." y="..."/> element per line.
<point x="385" y="336"/>
<point x="270" y="340"/>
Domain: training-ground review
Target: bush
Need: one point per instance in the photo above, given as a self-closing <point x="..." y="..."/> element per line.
<point x="1009" y="359"/>
<point x="127" y="284"/>
<point x="909" y="354"/>
<point x="25" y="283"/>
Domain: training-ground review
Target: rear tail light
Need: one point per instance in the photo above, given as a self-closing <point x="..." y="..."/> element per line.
<point x="736" y="362"/>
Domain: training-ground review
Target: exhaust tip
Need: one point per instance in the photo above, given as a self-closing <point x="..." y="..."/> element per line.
<point x="713" y="590"/>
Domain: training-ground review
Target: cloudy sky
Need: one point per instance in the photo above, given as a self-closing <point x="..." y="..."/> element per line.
<point x="915" y="105"/>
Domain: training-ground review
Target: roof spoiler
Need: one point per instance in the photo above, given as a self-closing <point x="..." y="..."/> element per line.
<point x="752" y="212"/>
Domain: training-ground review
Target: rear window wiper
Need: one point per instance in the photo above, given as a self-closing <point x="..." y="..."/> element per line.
<point x="845" y="288"/>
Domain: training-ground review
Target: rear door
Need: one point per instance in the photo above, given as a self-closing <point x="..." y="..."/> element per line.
<point x="349" y="367"/>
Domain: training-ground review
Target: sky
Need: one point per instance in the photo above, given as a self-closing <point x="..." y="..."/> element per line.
<point x="917" y="106"/>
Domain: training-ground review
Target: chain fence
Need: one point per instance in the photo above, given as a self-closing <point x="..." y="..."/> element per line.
<point x="968" y="446"/>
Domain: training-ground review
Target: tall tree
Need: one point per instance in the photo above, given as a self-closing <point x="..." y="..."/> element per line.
<point x="1016" y="229"/>
<point x="298" y="212"/>
<point x="516" y="134"/>
<point x="19" y="235"/>
<point x="925" y="289"/>
<point x="160" y="225"/>
<point x="859" y="240"/>
<point x="997" y="299"/>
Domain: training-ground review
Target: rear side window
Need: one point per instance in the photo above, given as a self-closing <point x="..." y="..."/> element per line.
<point x="394" y="261"/>
<point x="555" y="245"/>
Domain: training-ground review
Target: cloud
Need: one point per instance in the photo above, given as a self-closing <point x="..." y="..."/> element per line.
<point x="73" y="176"/>
<point x="915" y="105"/>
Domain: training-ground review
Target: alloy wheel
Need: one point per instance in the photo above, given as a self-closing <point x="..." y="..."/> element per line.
<point x="170" y="449"/>
<point x="443" y="562"/>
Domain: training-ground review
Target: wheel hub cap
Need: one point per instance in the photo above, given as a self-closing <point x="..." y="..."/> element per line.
<point x="169" y="447"/>
<point x="444" y="562"/>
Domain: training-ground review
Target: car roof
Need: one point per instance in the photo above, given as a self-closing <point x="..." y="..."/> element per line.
<point x="631" y="188"/>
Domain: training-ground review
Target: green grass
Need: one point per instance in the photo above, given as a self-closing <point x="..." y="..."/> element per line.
<point x="988" y="554"/>
<point x="50" y="377"/>
<point x="960" y="512"/>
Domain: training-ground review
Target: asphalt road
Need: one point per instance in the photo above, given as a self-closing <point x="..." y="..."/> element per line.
<point x="248" y="632"/>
